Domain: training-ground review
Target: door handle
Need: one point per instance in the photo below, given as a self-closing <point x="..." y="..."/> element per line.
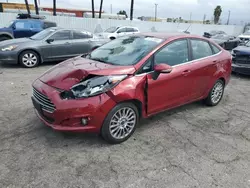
<point x="186" y="72"/>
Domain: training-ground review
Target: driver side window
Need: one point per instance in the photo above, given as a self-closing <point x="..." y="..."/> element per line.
<point x="173" y="54"/>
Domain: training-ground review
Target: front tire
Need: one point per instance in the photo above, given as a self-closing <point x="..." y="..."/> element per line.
<point x="120" y="123"/>
<point x="29" y="59"/>
<point x="216" y="93"/>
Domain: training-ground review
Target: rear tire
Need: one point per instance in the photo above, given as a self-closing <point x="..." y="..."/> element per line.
<point x="216" y="93"/>
<point x="120" y="123"/>
<point x="29" y="59"/>
<point x="3" y="38"/>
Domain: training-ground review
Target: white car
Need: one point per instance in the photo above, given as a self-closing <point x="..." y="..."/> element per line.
<point x="116" y="32"/>
<point x="245" y="36"/>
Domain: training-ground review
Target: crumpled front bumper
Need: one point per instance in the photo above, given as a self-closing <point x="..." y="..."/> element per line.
<point x="68" y="113"/>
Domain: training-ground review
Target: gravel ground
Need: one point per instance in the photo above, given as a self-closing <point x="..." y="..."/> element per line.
<point x="192" y="146"/>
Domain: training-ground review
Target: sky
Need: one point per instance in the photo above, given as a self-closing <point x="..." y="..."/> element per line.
<point x="240" y="9"/>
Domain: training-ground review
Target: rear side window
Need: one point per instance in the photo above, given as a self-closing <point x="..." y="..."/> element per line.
<point x="200" y="49"/>
<point x="129" y="29"/>
<point x="215" y="48"/>
<point x="61" y="35"/>
<point x="23" y="25"/>
<point x="49" y="24"/>
<point x="81" y="35"/>
<point x="37" y="25"/>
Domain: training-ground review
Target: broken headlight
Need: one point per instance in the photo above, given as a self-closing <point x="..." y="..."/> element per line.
<point x="96" y="85"/>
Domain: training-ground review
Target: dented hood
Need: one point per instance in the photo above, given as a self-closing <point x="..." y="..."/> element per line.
<point x="70" y="72"/>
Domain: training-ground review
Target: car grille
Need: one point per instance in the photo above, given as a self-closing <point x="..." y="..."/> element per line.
<point x="242" y="59"/>
<point x="44" y="101"/>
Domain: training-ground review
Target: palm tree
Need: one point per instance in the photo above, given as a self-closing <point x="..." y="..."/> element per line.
<point x="93" y="8"/>
<point x="27" y="6"/>
<point x="131" y="9"/>
<point x="100" y="12"/>
<point x="54" y="7"/>
<point x="217" y="13"/>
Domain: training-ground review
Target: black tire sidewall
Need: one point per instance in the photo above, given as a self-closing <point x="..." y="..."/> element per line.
<point x="208" y="100"/>
<point x="25" y="52"/>
<point x="4" y="38"/>
<point x="105" y="133"/>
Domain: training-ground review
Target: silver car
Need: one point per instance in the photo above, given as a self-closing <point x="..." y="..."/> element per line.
<point x="53" y="44"/>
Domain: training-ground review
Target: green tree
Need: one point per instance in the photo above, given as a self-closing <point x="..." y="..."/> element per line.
<point x="123" y="12"/>
<point x="217" y="13"/>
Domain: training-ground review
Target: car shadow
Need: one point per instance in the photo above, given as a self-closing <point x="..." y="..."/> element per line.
<point x="238" y="75"/>
<point x="65" y="139"/>
<point x="16" y="66"/>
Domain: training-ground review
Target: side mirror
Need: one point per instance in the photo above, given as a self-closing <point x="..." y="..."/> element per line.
<point x="118" y="31"/>
<point x="13" y="27"/>
<point x="50" y="40"/>
<point x="163" y="68"/>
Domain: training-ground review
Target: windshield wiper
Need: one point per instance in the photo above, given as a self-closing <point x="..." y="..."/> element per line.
<point x="100" y="60"/>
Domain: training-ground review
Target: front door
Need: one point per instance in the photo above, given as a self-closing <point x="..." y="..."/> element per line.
<point x="22" y="29"/>
<point x="171" y="89"/>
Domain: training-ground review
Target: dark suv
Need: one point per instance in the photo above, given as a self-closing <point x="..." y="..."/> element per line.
<point x="24" y="26"/>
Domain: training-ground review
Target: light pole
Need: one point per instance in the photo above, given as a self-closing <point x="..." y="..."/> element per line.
<point x="93" y="8"/>
<point x="156" y="11"/>
<point x="54" y="7"/>
<point x="229" y="12"/>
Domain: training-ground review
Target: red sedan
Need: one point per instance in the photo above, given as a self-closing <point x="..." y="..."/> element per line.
<point x="111" y="88"/>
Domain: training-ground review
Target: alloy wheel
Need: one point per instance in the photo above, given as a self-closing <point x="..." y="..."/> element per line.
<point x="217" y="92"/>
<point x="122" y="123"/>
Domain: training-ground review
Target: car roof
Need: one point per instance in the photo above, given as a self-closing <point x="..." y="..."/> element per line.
<point x="36" y="20"/>
<point x="166" y="35"/>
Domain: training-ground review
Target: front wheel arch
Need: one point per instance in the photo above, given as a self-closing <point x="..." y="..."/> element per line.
<point x="39" y="55"/>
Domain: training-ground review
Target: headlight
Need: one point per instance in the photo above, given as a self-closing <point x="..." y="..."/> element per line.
<point x="96" y="85"/>
<point x="9" y="48"/>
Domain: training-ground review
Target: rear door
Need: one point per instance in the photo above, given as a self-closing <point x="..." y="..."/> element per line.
<point x="204" y="65"/>
<point x="36" y="27"/>
<point x="175" y="88"/>
<point x="60" y="48"/>
<point x="81" y="42"/>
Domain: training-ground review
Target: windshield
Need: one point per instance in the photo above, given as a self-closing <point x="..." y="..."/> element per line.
<point x="111" y="30"/>
<point x="247" y="33"/>
<point x="43" y="34"/>
<point x="125" y="51"/>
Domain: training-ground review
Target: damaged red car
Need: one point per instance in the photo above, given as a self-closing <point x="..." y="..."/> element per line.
<point x="108" y="90"/>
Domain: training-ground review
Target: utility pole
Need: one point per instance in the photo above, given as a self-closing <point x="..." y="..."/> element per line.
<point x="156" y="11"/>
<point x="100" y="12"/>
<point x="36" y="7"/>
<point x="27" y="6"/>
<point x="111" y="11"/>
<point x="190" y="17"/>
<point x="54" y="7"/>
<point x="131" y="9"/>
<point x="93" y="8"/>
<point x="229" y="12"/>
<point x="204" y="19"/>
